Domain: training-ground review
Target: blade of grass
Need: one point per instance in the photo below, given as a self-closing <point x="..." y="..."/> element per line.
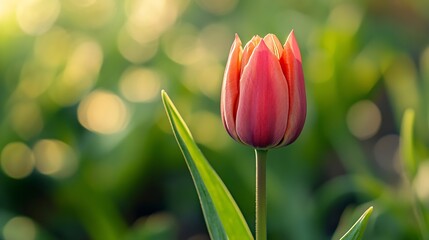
<point x="407" y="144"/>
<point x="357" y="230"/>
<point x="222" y="215"/>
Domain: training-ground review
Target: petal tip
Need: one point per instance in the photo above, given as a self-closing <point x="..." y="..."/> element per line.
<point x="262" y="45"/>
<point x="237" y="38"/>
<point x="274" y="44"/>
<point x="293" y="45"/>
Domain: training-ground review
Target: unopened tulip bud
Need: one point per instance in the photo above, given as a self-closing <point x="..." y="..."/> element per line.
<point x="263" y="101"/>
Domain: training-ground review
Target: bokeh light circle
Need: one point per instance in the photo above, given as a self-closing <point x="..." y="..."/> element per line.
<point x="17" y="160"/>
<point x="80" y="73"/>
<point x="364" y="119"/>
<point x="140" y="84"/>
<point x="55" y="158"/>
<point x="37" y="16"/>
<point x="20" y="114"/>
<point x="103" y="112"/>
<point x="20" y="228"/>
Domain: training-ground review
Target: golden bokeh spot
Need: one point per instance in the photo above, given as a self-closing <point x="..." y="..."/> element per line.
<point x="90" y="14"/>
<point x="148" y="19"/>
<point x="17" y="160"/>
<point x="140" y="84"/>
<point x="183" y="46"/>
<point x="37" y="16"/>
<point x="80" y="74"/>
<point x="421" y="181"/>
<point x="53" y="48"/>
<point x="134" y="51"/>
<point x="364" y="119"/>
<point x="55" y="158"/>
<point x="20" y="228"/>
<point x="103" y="112"/>
<point x="26" y="119"/>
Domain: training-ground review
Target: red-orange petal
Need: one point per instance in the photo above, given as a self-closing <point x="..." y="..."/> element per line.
<point x="263" y="101"/>
<point x="291" y="64"/>
<point x="230" y="88"/>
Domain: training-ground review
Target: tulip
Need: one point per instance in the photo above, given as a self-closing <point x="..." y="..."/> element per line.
<point x="263" y="101"/>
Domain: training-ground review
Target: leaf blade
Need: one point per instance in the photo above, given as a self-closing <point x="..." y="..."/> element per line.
<point x="222" y="215"/>
<point x="407" y="144"/>
<point x="357" y="230"/>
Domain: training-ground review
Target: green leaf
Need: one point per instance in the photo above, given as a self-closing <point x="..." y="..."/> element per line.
<point x="407" y="143"/>
<point x="357" y="230"/>
<point x="223" y="217"/>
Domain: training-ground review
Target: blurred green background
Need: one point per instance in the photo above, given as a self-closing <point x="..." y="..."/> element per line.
<point x="87" y="151"/>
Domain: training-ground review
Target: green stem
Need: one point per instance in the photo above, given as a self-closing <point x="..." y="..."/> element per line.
<point x="261" y="196"/>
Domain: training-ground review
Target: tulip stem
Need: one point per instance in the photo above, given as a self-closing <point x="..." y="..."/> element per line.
<point x="261" y="202"/>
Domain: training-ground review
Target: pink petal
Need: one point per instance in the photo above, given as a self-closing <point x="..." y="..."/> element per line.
<point x="263" y="102"/>
<point x="248" y="50"/>
<point x="274" y="44"/>
<point x="230" y="88"/>
<point x="291" y="64"/>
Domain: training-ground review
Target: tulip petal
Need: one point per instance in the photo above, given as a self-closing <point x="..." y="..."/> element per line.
<point x="248" y="50"/>
<point x="291" y="64"/>
<point x="274" y="44"/>
<point x="230" y="88"/>
<point x="263" y="101"/>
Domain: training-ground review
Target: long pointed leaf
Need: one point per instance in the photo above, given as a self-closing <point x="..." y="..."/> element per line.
<point x="223" y="217"/>
<point x="357" y="230"/>
<point x="407" y="144"/>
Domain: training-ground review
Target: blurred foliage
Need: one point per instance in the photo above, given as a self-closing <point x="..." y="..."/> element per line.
<point x="86" y="151"/>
